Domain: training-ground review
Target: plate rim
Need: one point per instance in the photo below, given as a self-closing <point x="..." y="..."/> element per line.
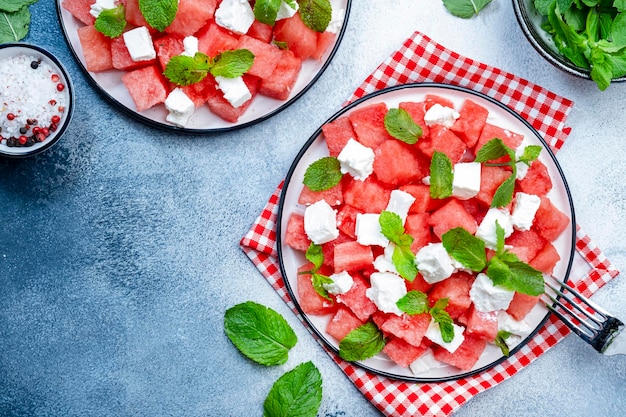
<point x="281" y="205"/>
<point x="195" y="131"/>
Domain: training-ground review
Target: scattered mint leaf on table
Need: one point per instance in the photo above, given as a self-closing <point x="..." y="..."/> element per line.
<point x="159" y="13"/>
<point x="361" y="343"/>
<point x="465" y="8"/>
<point x="316" y="14"/>
<point x="111" y="22"/>
<point x="323" y="174"/>
<point x="259" y="332"/>
<point x="14" y="25"/>
<point x="297" y="393"/>
<point x="401" y="126"/>
<point x="10" y="6"/>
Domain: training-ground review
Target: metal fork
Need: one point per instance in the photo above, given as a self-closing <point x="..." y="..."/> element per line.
<point x="588" y="320"/>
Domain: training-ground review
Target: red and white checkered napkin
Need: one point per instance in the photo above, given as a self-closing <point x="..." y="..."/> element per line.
<point x="419" y="60"/>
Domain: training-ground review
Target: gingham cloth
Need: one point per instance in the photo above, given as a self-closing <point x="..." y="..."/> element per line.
<point x="418" y="60"/>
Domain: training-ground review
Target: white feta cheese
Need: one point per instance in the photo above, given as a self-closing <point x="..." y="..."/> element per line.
<point x="384" y="261"/>
<point x="368" y="231"/>
<point x="336" y="20"/>
<point x="286" y="10"/>
<point x="440" y="115"/>
<point x="320" y="222"/>
<point x="139" y="44"/>
<point x="522" y="168"/>
<point x="356" y="159"/>
<point x="507" y="323"/>
<point x="235" y="15"/>
<point x="424" y="363"/>
<point x="190" y="43"/>
<point x="342" y="282"/>
<point x="180" y="107"/>
<point x="235" y="90"/>
<point x="100" y="5"/>
<point x="434" y="263"/>
<point x="433" y="333"/>
<point x="400" y="202"/>
<point x="466" y="180"/>
<point x="488" y="297"/>
<point x="385" y="291"/>
<point x="524" y="210"/>
<point x="487" y="228"/>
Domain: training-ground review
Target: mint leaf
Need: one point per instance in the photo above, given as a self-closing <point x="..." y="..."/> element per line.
<point x="403" y="258"/>
<point x="401" y="126"/>
<point x="159" y="13"/>
<point x="316" y="14"/>
<point x="525" y="279"/>
<point x="14" y="25"/>
<point x="441" y="176"/>
<point x="413" y="302"/>
<point x="266" y="11"/>
<point x="323" y="174"/>
<point x="501" y="342"/>
<point x="111" y="22"/>
<point x="465" y="8"/>
<point x="361" y="343"/>
<point x="11" y="6"/>
<point x="391" y="226"/>
<point x="530" y="154"/>
<point x="404" y="262"/>
<point x="232" y="64"/>
<point x="493" y="149"/>
<point x="504" y="193"/>
<point x="442" y="317"/>
<point x="465" y="248"/>
<point x="296" y="393"/>
<point x="184" y="70"/>
<point x="315" y="255"/>
<point x="259" y="332"/>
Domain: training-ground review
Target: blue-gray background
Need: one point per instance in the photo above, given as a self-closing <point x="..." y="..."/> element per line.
<point x="119" y="247"/>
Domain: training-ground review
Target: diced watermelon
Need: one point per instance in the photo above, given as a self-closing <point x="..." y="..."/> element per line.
<point x="282" y="80"/>
<point x="470" y="123"/>
<point x="324" y="41"/>
<point x="491" y="131"/>
<point x="549" y="221"/>
<point x="521" y="304"/>
<point x="200" y="92"/>
<point x="80" y="10"/>
<point x="168" y="46"/>
<point x="328" y="248"/>
<point x="418" y="227"/>
<point x="352" y="256"/>
<point x="222" y="108"/>
<point x="261" y="31"/>
<point x="369" y="196"/>
<point x="409" y="328"/>
<point x="146" y="86"/>
<point x="333" y="196"/>
<point x="537" y="180"/>
<point x="295" y="236"/>
<point x="396" y="163"/>
<point x="416" y="110"/>
<point x="418" y="284"/>
<point x="337" y="133"/>
<point x="465" y="356"/>
<point x="133" y="14"/>
<point x="368" y="124"/>
<point x="456" y="289"/>
<point x="403" y="353"/>
<point x="529" y="240"/>
<point x="309" y="300"/>
<point x="546" y="259"/>
<point x="121" y="59"/>
<point x="432" y="99"/>
<point x="483" y="325"/>
<point x="490" y="179"/>
<point x="266" y="56"/>
<point x="451" y="215"/>
<point x="346" y="220"/>
<point x="342" y="323"/>
<point x="191" y="16"/>
<point x="96" y="49"/>
<point x="444" y="140"/>
<point x="356" y="300"/>
<point x="300" y="39"/>
<point x="213" y="39"/>
<point x="423" y="202"/>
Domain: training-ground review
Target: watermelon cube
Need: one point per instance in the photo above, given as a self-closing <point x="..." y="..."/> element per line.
<point x="491" y="177"/>
<point x="403" y="353"/>
<point x="352" y="256"/>
<point x="200" y="92"/>
<point x="396" y="164"/>
<point x="451" y="215"/>
<point x="133" y="14"/>
<point x="521" y="304"/>
<point x="146" y="86"/>
<point x="456" y="289"/>
<point x="333" y="196"/>
<point x="261" y="31"/>
<point x="121" y="59"/>
<point x="328" y="249"/>
<point x="295" y="236"/>
<point x="469" y="125"/>
<point x="337" y="133"/>
<point x="222" y="108"/>
<point x="432" y="99"/>
<point x="342" y="323"/>
<point x="537" y="180"/>
<point x="409" y="328"/>
<point x="417" y="225"/>
<point x="418" y="284"/>
<point x="309" y="300"/>
<point x="369" y="196"/>
<point x="546" y="259"/>
<point x="191" y="16"/>
<point x="324" y="41"/>
<point x="346" y="220"/>
<point x="483" y="325"/>
<point x="423" y="202"/>
<point x="80" y="10"/>
<point x="96" y="49"/>
<point x="356" y="300"/>
<point x="465" y="356"/>
<point x="266" y="56"/>
<point x="168" y="46"/>
<point x="416" y="110"/>
<point x="442" y="139"/>
<point x="368" y="124"/>
<point x="282" y="80"/>
<point x="213" y="39"/>
<point x="529" y="241"/>
<point x="300" y="39"/>
<point x="549" y="222"/>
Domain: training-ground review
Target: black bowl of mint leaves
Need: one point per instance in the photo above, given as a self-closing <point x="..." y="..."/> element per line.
<point x="585" y="38"/>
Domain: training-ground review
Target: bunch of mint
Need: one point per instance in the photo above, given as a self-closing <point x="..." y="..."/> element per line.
<point x="14" y="19"/>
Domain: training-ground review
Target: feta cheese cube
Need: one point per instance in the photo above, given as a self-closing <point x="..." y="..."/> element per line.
<point x="488" y="297"/>
<point x="507" y="323"/>
<point x="400" y="202"/>
<point x="385" y="291"/>
<point x="235" y="15"/>
<point x="524" y="210"/>
<point x="180" y="107"/>
<point x="100" y="5"/>
<point x="342" y="282"/>
<point x="285" y="11"/>
<point x="139" y="44"/>
<point x="320" y="222"/>
<point x="434" y="263"/>
<point x="190" y="43"/>
<point x="487" y="228"/>
<point x="384" y="261"/>
<point x="425" y="363"/>
<point x="440" y="115"/>
<point x="356" y="159"/>
<point x="433" y="333"/>
<point x="235" y="90"/>
<point x="368" y="231"/>
<point x="336" y="20"/>
<point x="522" y="168"/>
<point x="466" y="180"/>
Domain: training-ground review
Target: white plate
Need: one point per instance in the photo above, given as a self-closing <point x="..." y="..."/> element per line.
<point x="203" y="121"/>
<point x="315" y="148"/>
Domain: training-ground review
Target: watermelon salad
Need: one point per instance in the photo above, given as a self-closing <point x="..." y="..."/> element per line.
<point x="345" y="270"/>
<point x="287" y="57"/>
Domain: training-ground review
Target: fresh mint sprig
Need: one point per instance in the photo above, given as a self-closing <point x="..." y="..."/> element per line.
<point x="416" y="302"/>
<point x="159" y="13"/>
<point x="501" y="342"/>
<point x="403" y="258"/>
<point x="315" y="14"/>
<point x="413" y="302"/>
<point x="399" y="124"/>
<point x="185" y="70"/>
<point x="442" y="317"/>
<point x="14" y="19"/>
<point x="296" y="393"/>
<point x="323" y="174"/>
<point x="361" y="343"/>
<point x="315" y="255"/>
<point x="441" y="176"/>
<point x="465" y="8"/>
<point x="111" y="22"/>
